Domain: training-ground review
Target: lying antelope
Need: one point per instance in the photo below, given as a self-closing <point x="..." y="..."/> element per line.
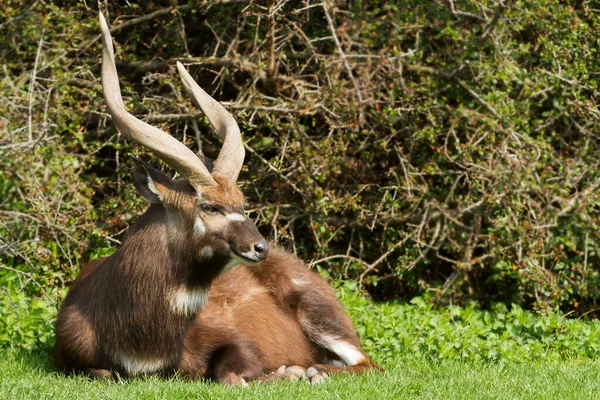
<point x="171" y="299"/>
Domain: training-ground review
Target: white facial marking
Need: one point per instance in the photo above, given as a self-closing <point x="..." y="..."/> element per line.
<point x="187" y="302"/>
<point x="236" y="217"/>
<point x="199" y="227"/>
<point x="350" y="354"/>
<point x="251" y="255"/>
<point x="206" y="253"/>
<point x="153" y="188"/>
<point x="134" y="365"/>
<point x="199" y="193"/>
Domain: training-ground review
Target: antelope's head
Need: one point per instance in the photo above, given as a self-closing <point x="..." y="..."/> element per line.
<point x="205" y="208"/>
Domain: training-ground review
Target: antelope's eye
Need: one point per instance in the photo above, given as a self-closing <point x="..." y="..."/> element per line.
<point x="209" y="208"/>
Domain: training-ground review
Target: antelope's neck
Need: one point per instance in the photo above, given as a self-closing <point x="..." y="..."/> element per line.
<point x="156" y="257"/>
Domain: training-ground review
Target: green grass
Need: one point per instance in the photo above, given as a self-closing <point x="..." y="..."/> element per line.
<point x="28" y="376"/>
<point x="452" y="352"/>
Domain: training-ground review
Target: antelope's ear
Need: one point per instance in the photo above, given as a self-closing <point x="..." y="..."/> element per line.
<point x="151" y="183"/>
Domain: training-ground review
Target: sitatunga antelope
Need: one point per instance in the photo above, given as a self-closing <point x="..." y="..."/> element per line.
<point x="195" y="289"/>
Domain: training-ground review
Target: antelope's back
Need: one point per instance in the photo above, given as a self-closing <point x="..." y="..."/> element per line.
<point x="240" y="300"/>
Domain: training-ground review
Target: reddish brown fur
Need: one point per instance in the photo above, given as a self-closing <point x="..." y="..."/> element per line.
<point x="124" y="308"/>
<point x="251" y="324"/>
<point x="130" y="313"/>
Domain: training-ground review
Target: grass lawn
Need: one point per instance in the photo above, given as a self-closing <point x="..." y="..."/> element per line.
<point x="30" y="376"/>
<point x="428" y="353"/>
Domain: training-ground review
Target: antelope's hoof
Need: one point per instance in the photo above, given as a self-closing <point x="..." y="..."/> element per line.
<point x="294" y="372"/>
<point x="314" y="376"/>
<point x="99" y="373"/>
<point x="273" y="376"/>
<point x="233" y="380"/>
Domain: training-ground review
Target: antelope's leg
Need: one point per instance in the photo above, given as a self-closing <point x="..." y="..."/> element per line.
<point x="326" y="323"/>
<point x="237" y="363"/>
<point x="222" y="353"/>
<point x="76" y="346"/>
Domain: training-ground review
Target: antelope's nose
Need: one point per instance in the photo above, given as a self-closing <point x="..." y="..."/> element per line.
<point x="262" y="249"/>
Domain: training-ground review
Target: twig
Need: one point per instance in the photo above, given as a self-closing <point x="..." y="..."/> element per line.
<point x="490" y="25"/>
<point x="32" y="87"/>
<point x="454" y="11"/>
<point x="378" y="210"/>
<point x="28" y="275"/>
<point x="570" y="82"/>
<point x="476" y="96"/>
<point x="573" y="200"/>
<point x="196" y="130"/>
<point x="45" y="123"/>
<point x="132" y="22"/>
<point x="10" y="21"/>
<point x="272" y="168"/>
<point x="375" y="263"/>
<point x="341" y="51"/>
<point x="217" y="62"/>
<point x="271" y="59"/>
<point x="585" y="313"/>
<point x="26" y="144"/>
<point x="231" y="106"/>
<point x="182" y="30"/>
<point x="404" y="170"/>
<point x="83" y="83"/>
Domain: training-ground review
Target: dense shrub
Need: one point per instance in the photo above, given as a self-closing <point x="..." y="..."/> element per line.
<point x="440" y="149"/>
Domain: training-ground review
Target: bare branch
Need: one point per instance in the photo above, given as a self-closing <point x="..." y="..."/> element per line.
<point x="217" y="62"/>
<point x="136" y="21"/>
<point x="25" y="144"/>
<point x="342" y="54"/>
<point x="32" y="87"/>
<point x="454" y="11"/>
<point x="271" y="58"/>
<point x="230" y="106"/>
<point x="274" y="169"/>
<point x="492" y="23"/>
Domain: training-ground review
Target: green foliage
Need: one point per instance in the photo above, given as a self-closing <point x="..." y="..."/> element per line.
<point x="469" y="334"/>
<point x="450" y="353"/>
<point x="446" y="154"/>
<point x="26" y="323"/>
